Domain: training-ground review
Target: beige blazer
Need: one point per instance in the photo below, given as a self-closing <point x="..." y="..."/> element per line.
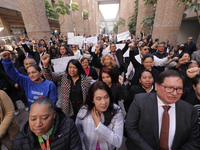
<point x="7" y="122"/>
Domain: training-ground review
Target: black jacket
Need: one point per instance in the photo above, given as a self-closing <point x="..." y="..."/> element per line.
<point x="65" y="136"/>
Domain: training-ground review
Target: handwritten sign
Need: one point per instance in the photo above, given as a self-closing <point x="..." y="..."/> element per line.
<point x="123" y="36"/>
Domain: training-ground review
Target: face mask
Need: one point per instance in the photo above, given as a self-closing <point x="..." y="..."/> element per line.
<point x="181" y="47"/>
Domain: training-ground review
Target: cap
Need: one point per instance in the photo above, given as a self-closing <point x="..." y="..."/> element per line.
<point x="190" y="38"/>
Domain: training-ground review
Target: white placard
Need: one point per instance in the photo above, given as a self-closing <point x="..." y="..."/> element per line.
<point x="126" y="54"/>
<point x="70" y="34"/>
<point x="76" y="40"/>
<point x="123" y="36"/>
<point x="118" y="46"/>
<point x="60" y="64"/>
<point x="92" y="40"/>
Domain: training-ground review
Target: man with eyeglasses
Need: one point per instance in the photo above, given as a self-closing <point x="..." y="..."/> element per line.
<point x="160" y="53"/>
<point x="161" y="121"/>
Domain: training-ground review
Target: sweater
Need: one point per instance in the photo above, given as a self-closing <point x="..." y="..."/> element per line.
<point x="33" y="90"/>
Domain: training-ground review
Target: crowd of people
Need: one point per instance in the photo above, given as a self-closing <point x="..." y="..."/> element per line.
<point x="151" y="96"/>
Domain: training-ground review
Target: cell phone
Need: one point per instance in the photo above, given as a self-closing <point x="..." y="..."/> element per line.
<point x="172" y="47"/>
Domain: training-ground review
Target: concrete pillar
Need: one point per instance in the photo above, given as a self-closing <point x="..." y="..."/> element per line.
<point x="91" y="17"/>
<point x="143" y="11"/>
<point x="4" y="27"/>
<point x="66" y="21"/>
<point x="97" y="19"/>
<point x="35" y="19"/>
<point x="122" y="14"/>
<point x="78" y="18"/>
<point x="86" y="22"/>
<point x="94" y="17"/>
<point x="130" y="9"/>
<point x="167" y="20"/>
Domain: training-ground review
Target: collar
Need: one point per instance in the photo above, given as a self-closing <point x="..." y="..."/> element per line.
<point x="160" y="103"/>
<point x="150" y="89"/>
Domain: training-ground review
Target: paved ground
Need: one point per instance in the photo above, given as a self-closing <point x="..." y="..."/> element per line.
<point x="22" y="118"/>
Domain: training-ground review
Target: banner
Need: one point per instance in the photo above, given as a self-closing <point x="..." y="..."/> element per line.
<point x="123" y="36"/>
<point x="76" y="40"/>
<point x="60" y="64"/>
<point x="70" y="34"/>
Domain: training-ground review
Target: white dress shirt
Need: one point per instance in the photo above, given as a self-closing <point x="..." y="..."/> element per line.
<point x="172" y="120"/>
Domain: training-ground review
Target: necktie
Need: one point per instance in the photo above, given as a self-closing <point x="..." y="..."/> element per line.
<point x="114" y="56"/>
<point x="164" y="134"/>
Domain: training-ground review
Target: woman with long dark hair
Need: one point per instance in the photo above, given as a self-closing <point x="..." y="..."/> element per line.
<point x="74" y="85"/>
<point x="100" y="121"/>
<point x="119" y="90"/>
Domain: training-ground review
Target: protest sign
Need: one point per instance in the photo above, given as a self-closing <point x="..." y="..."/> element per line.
<point x="118" y="46"/>
<point x="123" y="36"/>
<point x="60" y="64"/>
<point x="70" y="34"/>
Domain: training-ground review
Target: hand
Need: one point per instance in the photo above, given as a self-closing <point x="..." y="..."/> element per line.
<point x="16" y="85"/>
<point x="45" y="60"/>
<point x="175" y="59"/>
<point x="90" y="77"/>
<point x="91" y="44"/>
<point x="96" y="117"/>
<point x="170" y="54"/>
<point x="22" y="39"/>
<point x="132" y="45"/>
<point x="14" y="44"/>
<point x="120" y="79"/>
<point x="192" y="72"/>
<point x="5" y="55"/>
<point x="182" y="61"/>
<point x="52" y="63"/>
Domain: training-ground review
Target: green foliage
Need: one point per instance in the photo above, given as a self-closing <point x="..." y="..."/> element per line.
<point x="85" y="14"/>
<point x="191" y="5"/>
<point x="151" y="2"/>
<point x="50" y="12"/>
<point x="148" y="21"/>
<point x="115" y="28"/>
<point x="121" y="21"/>
<point x="133" y="19"/>
<point x="74" y="6"/>
<point x="59" y="8"/>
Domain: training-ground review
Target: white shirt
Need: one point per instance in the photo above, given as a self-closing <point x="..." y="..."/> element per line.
<point x="172" y="120"/>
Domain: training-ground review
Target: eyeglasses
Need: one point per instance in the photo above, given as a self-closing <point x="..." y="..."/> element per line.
<point x="146" y="49"/>
<point x="171" y="89"/>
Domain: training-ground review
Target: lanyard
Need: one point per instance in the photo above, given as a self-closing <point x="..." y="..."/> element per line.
<point x="41" y="141"/>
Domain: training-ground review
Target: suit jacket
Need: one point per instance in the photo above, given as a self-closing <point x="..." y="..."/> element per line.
<point x="143" y="129"/>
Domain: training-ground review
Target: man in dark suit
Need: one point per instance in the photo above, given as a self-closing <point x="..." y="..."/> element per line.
<point x="146" y="116"/>
<point x="118" y="56"/>
<point x="190" y="46"/>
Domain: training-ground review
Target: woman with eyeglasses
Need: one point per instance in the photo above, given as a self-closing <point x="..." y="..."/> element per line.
<point x="100" y="121"/>
<point x="147" y="63"/>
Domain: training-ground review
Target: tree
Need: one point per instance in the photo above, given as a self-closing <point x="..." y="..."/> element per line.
<point x="85" y="14"/>
<point x="191" y="5"/>
<point x="133" y="19"/>
<point x="59" y="8"/>
<point x="121" y="21"/>
<point x="148" y="21"/>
